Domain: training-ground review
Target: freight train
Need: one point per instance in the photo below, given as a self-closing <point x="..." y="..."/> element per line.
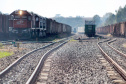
<point x="4" y="25"/>
<point x="28" y="24"/>
<point x="90" y="28"/>
<point x="118" y="29"/>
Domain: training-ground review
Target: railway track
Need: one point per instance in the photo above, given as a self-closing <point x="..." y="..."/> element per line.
<point x="116" y="58"/>
<point x="26" y="68"/>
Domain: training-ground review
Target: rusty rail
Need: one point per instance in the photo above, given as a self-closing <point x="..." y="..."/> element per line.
<point x="117" y="67"/>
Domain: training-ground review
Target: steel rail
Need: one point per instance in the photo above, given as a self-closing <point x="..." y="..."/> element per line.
<point x="116" y="49"/>
<point x="22" y="57"/>
<point x="37" y="70"/>
<point x="117" y="67"/>
<point x="18" y="60"/>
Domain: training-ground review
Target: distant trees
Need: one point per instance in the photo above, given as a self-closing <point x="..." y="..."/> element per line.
<point x="97" y="19"/>
<point x="110" y="18"/>
<point x="57" y="15"/>
<point x="75" y="22"/>
<point x="107" y="19"/>
<point x="121" y="14"/>
<point x="101" y="21"/>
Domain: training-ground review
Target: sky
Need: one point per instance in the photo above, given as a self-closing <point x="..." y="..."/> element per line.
<point x="49" y="8"/>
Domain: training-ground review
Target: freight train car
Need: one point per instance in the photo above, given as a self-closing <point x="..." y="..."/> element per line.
<point x="90" y="28"/>
<point x="68" y="29"/>
<point x="4" y="25"/>
<point x="20" y="23"/>
<point x="118" y="29"/>
<point x="24" y="23"/>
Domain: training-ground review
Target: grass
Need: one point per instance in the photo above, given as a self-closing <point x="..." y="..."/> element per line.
<point x="5" y="54"/>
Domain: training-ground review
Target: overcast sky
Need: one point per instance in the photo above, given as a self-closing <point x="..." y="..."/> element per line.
<point x="48" y="8"/>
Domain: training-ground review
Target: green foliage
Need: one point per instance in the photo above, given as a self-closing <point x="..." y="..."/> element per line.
<point x="4" y="54"/>
<point x="74" y="22"/>
<point x="121" y="15"/>
<point x="110" y="18"/>
<point x="107" y="19"/>
<point x="97" y="20"/>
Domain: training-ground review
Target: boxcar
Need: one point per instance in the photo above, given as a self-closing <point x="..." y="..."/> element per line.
<point x="90" y="28"/>
<point x="4" y="25"/>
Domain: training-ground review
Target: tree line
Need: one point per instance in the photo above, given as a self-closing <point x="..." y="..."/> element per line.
<point x="110" y="18"/>
<point x="74" y="22"/>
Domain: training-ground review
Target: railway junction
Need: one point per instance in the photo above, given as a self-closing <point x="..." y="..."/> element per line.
<point x="95" y="60"/>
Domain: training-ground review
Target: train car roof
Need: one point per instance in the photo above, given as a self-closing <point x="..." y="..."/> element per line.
<point x="17" y="12"/>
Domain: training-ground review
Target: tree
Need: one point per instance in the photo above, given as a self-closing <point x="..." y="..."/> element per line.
<point x="110" y="20"/>
<point x="121" y="14"/>
<point x="97" y="20"/>
<point x="104" y="19"/>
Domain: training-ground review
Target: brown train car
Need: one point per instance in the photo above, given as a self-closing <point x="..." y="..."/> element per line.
<point x="50" y="29"/>
<point x="53" y="27"/>
<point x="122" y="29"/>
<point x="59" y="28"/>
<point x="98" y="30"/>
<point x="104" y="30"/>
<point x="101" y="30"/>
<point x="56" y="27"/>
<point x="20" y="23"/>
<point x="68" y="29"/>
<point x="108" y="29"/>
<point x="48" y="26"/>
<point x="125" y="29"/>
<point x="34" y="24"/>
<point x="4" y="25"/>
<point x="116" y="30"/>
<point x="111" y="29"/>
<point x="20" y="20"/>
<point x="1" y="23"/>
<point x="64" y="28"/>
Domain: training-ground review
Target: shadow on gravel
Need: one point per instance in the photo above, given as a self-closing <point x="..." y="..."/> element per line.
<point x="47" y="38"/>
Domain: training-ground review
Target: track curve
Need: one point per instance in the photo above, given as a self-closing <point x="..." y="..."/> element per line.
<point x="106" y="50"/>
<point x="21" y="70"/>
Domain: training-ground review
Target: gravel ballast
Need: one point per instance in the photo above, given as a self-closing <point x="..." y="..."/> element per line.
<point x="118" y="44"/>
<point x="77" y="63"/>
<point x="24" y="48"/>
<point x="23" y="70"/>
